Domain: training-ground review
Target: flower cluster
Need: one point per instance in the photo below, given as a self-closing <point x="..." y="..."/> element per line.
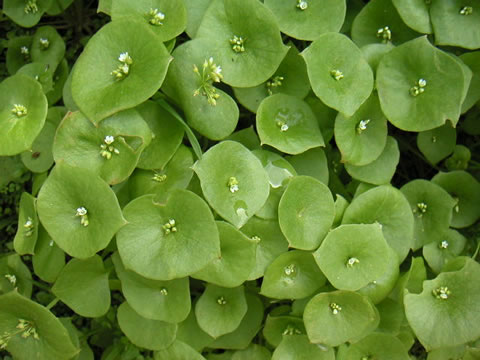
<point x="82" y="213"/>
<point x="211" y="73"/>
<point x="274" y="82"/>
<point x="107" y="149"/>
<point x="155" y="17"/>
<point x="19" y="110"/>
<point x="385" y="34"/>
<point x="122" y="71"/>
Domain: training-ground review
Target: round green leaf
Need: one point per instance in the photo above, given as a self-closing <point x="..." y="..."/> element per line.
<point x="53" y="340"/>
<point x="411" y="280"/>
<point x="247" y="137"/>
<point x="92" y="77"/>
<point x="306" y="212"/>
<point x="68" y="189"/>
<point x="440" y="252"/>
<point x="236" y="262"/>
<point x="251" y="21"/>
<point x="373" y="53"/>
<point x="438" y="143"/>
<point x="167" y="20"/>
<point x="49" y="259"/>
<point x="233" y="181"/>
<point x="167" y="301"/>
<point x="145" y="333"/>
<point x="465" y="190"/>
<point x="398" y="80"/>
<point x="446" y="312"/>
<point x="472" y="60"/>
<point x="195" y="12"/>
<point x="381" y="170"/>
<point x="300" y="348"/>
<point x="288" y="124"/>
<point x="190" y="333"/>
<point x="24" y="15"/>
<point x="18" y="53"/>
<point x="220" y="310"/>
<point x="60" y="77"/>
<point x="309" y="23"/>
<point x="48" y="47"/>
<point x="40" y="157"/>
<point x="312" y="163"/>
<point x="361" y="138"/>
<point x="178" y="351"/>
<point x="415" y="13"/>
<point x="334" y="56"/>
<point x="459" y="159"/>
<point x="79" y="142"/>
<point x="292" y="275"/>
<point x="169" y="239"/>
<point x="325" y="116"/>
<point x="351" y="256"/>
<point x="39" y="72"/>
<point x="27" y="231"/>
<point x="254" y="351"/>
<point x="277" y="326"/>
<point x="78" y="281"/>
<point x="432" y="210"/>
<point x="15" y="275"/>
<point x="333" y="318"/>
<point x="24" y="96"/>
<point x="378" y="346"/>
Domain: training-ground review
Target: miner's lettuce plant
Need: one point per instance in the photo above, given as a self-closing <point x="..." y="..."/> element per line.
<point x="240" y="179"/>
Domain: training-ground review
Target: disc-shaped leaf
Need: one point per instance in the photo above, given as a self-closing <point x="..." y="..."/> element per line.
<point x="312" y="21"/>
<point x="167" y="136"/>
<point x="378" y="346"/>
<point x="96" y="89"/>
<point x="190" y="333"/>
<point x="261" y="49"/>
<point x="373" y="53"/>
<point x="351" y="256"/>
<point x="288" y="124"/>
<point x="456" y="23"/>
<point x="195" y="12"/>
<point x="53" y="340"/>
<point x="438" y="143"/>
<point x="27" y="231"/>
<point x="325" y="116"/>
<point x="70" y="192"/>
<point x="270" y="243"/>
<point x="154" y="299"/>
<point x="83" y="286"/>
<point x="419" y="86"/>
<point x="339" y="74"/>
<point x="411" y="280"/>
<point x="415" y="13"/>
<point x="23" y="14"/>
<point x="15" y="275"/>
<point x="145" y="333"/>
<point x="299" y="348"/>
<point x="379" y="22"/>
<point x="446" y="312"/>
<point x="277" y="326"/>
<point x="472" y="60"/>
<point x="432" y="210"/>
<point x="312" y="163"/>
<point x="60" y="77"/>
<point x="166" y="18"/>
<point x="48" y="47"/>
<point x="40" y="72"/>
<point x="39" y="158"/>
<point x="49" y="259"/>
<point x="306" y="212"/>
<point x="465" y="191"/>
<point x="24" y="109"/>
<point x="361" y="137"/>
<point x="292" y="275"/>
<point x="233" y="181"/>
<point x="333" y="318"/>
<point x="388" y="207"/>
<point x="170" y="239"/>
<point x="254" y="351"/>
<point x="440" y="252"/>
<point x="178" y="351"/>
<point x="236" y="262"/>
<point x="110" y="149"/>
<point x="382" y="169"/>
<point x="18" y="52"/>
<point x="220" y="310"/>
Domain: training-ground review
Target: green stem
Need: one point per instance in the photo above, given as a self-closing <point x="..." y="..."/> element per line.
<point x="52" y="303"/>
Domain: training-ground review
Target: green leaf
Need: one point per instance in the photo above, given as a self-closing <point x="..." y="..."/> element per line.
<point x="299" y="348"/>
<point x="169" y="239"/>
<point x="288" y="124"/>
<point x="378" y="346"/>
<point x="307" y="24"/>
<point x="78" y="281"/>
<point x="445" y="313"/>
<point x="438" y="143"/>
<point x="254" y="351"/>
<point x="27" y="231"/>
<point x="53" y="340"/>
<point x="398" y="80"/>
<point x="15" y="275"/>
<point x="145" y="333"/>
<point x="262" y="44"/>
<point x="373" y="53"/>
<point x="39" y="72"/>
<point x="18" y="131"/>
<point x="415" y="13"/>
<point x="24" y="16"/>
<point x="68" y="189"/>
<point x="236" y="262"/>
<point x="312" y="163"/>
<point x="190" y="333"/>
<point x="292" y="275"/>
<point x="472" y="60"/>
<point x="220" y="310"/>
<point x="39" y="158"/>
<point x="278" y="326"/>
<point x="92" y="77"/>
<point x="82" y="143"/>
<point x="334" y="56"/>
<point x="16" y="56"/>
<point x="351" y="256"/>
<point x="306" y="212"/>
<point x="49" y="259"/>
<point x="178" y="351"/>
<point x="347" y="316"/>
<point x="411" y="280"/>
<point x="48" y="47"/>
<point x="60" y="77"/>
<point x="440" y="252"/>
<point x="233" y="181"/>
<point x="195" y="12"/>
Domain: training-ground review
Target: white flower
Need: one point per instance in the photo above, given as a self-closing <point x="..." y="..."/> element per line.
<point x="109" y="139"/>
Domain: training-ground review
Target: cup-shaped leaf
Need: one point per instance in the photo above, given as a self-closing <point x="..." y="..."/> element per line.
<point x="440" y="252"/>
<point x="41" y="72"/>
<point x="339" y="74"/>
<point x="178" y="350"/>
<point x="190" y="333"/>
<point x="438" y="143"/>
<point x="18" y="52"/>
<point x="39" y="158"/>
<point x="48" y="47"/>
<point x="299" y="348"/>
<point x="244" y="37"/>
<point x="411" y="280"/>
<point x="233" y="181"/>
<point x="378" y="346"/>
<point x="288" y="124"/>
<point x="145" y="333"/>
<point x="277" y="326"/>
<point x="352" y="256"/>
<point x="27" y="231"/>
<point x="472" y="60"/>
<point x="122" y="65"/>
<point x="83" y="286"/>
<point x="81" y="217"/>
<point x="312" y="163"/>
<point x="254" y="351"/>
<point x="306" y="212"/>
<point x="169" y="239"/>
<point x="23" y="112"/>
<point x="333" y="318"/>
<point x="415" y="14"/>
<point x="420" y="86"/>
<point x="292" y="275"/>
<point x="24" y="14"/>
<point x="15" y="275"/>
<point x="220" y="310"/>
<point x="49" y="259"/>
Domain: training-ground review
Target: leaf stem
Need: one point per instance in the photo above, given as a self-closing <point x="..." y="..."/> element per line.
<point x="52" y="303"/>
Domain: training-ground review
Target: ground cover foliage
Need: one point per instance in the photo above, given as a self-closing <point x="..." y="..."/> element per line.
<point x="240" y="179"/>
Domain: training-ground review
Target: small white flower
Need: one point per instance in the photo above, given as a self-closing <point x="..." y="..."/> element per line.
<point x="109" y="139"/>
<point x="81" y="211"/>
